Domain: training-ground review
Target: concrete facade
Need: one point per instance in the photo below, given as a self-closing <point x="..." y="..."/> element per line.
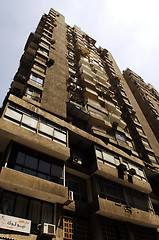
<point x="76" y="162"/>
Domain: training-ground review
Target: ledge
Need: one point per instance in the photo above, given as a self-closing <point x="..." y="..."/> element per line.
<point x="10" y="131"/>
<point x="31" y="186"/>
<point x="111" y="173"/>
<point x="119" y="212"/>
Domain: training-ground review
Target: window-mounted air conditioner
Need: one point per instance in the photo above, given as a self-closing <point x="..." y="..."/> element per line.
<point x="70" y="198"/>
<point x="48" y="229"/>
<point x="132" y="171"/>
<point x="77" y="160"/>
<point x="70" y="195"/>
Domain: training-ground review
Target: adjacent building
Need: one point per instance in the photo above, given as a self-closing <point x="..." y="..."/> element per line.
<point x="79" y="156"/>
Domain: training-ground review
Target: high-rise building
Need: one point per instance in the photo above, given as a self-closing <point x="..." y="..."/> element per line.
<point x="79" y="157"/>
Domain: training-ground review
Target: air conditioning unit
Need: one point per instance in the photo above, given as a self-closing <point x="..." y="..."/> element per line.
<point x="70" y="198"/>
<point x="77" y="160"/>
<point x="48" y="229"/>
<point x="70" y="195"/>
<point x="132" y="171"/>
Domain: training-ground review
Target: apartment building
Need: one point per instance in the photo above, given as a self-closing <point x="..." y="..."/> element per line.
<point x="74" y="163"/>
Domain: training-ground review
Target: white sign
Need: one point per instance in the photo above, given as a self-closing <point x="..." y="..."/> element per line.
<point x="14" y="223"/>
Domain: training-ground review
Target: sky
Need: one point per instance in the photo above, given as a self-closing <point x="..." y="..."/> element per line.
<point x="128" y="29"/>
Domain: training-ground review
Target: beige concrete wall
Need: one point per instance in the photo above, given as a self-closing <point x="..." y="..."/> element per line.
<point x="54" y="95"/>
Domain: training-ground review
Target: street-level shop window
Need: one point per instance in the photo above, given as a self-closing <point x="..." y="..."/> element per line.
<point x="21" y="206"/>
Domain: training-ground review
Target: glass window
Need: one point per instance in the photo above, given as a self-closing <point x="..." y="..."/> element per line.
<point x="98" y="153"/>
<point x="44" y="166"/>
<point x="13" y="114"/>
<point x="21" y="206"/>
<point x="68" y="228"/>
<point x="36" y="79"/>
<point x="34" y="211"/>
<point x="29" y="93"/>
<point x="29" y="121"/>
<point x="7" y="203"/>
<point x="120" y="136"/>
<point x="27" y="208"/>
<point x="56" y="170"/>
<point x="20" y="158"/>
<point x="78" y="186"/>
<point x="29" y="171"/>
<point x="45" y="52"/>
<point x="108" y="157"/>
<point x="46" y="129"/>
<point x="31" y="162"/>
<point x="59" y="135"/>
<point x="47" y="213"/>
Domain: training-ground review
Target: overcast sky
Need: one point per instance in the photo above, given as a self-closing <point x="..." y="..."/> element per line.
<point x="128" y="29"/>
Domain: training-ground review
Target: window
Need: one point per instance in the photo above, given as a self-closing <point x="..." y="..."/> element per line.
<point x="43" y="51"/>
<point x="28" y="208"/>
<point x="139" y="171"/>
<point x="107" y="157"/>
<point x="35" y="123"/>
<point x="78" y="186"/>
<point x="41" y="58"/>
<point x="68" y="228"/>
<point x="34" y="94"/>
<point x="145" y="142"/>
<point x="152" y="157"/>
<point x="117" y="193"/>
<point x="111" y="191"/>
<point x="113" y="230"/>
<point x="39" y="67"/>
<point x="120" y="136"/>
<point x="76" y="229"/>
<point x="35" y="164"/>
<point x="36" y="79"/>
<point x="45" y="45"/>
<point x="139" y="129"/>
<point x="129" y="142"/>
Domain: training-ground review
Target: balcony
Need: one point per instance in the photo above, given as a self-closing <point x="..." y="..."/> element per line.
<point x="78" y="111"/>
<point x="121" y="212"/>
<point x="86" y="72"/>
<point x="114" y="118"/>
<point x="84" y="61"/>
<point x="111" y="172"/>
<point x="11" y="131"/>
<point x="88" y="93"/>
<point x="97" y="119"/>
<point x="101" y="131"/>
<point x="31" y="186"/>
<point x="88" y="83"/>
<point x="110" y="106"/>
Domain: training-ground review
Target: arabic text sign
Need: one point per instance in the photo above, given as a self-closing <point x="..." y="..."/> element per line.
<point x="14" y="223"/>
